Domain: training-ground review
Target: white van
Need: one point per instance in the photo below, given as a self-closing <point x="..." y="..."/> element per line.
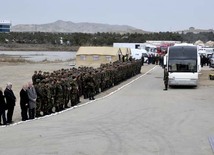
<point x="137" y="54"/>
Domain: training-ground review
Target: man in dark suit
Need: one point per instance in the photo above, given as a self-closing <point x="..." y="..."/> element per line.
<point x="2" y="108"/>
<point x="24" y="101"/>
<point x="10" y="100"/>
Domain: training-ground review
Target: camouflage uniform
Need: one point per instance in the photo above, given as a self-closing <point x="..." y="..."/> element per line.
<point x="34" y="77"/>
<point x="90" y="82"/>
<point x="85" y="86"/>
<point x="74" y="94"/>
<point x="38" y="88"/>
<point x="58" y="97"/>
<point x="45" y="98"/>
<point x="65" y="87"/>
<point x="166" y="78"/>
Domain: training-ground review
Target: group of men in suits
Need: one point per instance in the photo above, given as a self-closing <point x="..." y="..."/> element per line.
<point x="28" y="98"/>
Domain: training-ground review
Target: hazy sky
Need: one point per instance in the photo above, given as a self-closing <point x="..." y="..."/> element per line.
<point x="149" y="15"/>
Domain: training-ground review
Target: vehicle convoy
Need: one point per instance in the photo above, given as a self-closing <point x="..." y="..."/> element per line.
<point x="162" y="48"/>
<point x="183" y="65"/>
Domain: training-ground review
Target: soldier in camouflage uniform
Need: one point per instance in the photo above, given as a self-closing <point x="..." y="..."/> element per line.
<point x="74" y="95"/>
<point x="90" y="82"/>
<point x="166" y="78"/>
<point x="85" y="86"/>
<point x="103" y="81"/>
<point x="51" y="92"/>
<point x="57" y="88"/>
<point x="38" y="88"/>
<point x="97" y="76"/>
<point x="80" y="85"/>
<point x="35" y="77"/>
<point x="45" y="97"/>
<point x="58" y="96"/>
<point x="65" y="87"/>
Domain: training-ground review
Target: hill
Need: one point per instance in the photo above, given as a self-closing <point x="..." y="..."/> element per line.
<point x="71" y="27"/>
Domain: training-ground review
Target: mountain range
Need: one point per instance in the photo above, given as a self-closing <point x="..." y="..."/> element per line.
<point x="71" y="27"/>
<point x="84" y="27"/>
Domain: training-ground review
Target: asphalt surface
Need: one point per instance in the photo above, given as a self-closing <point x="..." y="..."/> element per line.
<point x="137" y="118"/>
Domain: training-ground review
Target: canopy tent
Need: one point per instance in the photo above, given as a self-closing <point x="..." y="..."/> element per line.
<point x="199" y="42"/>
<point x="209" y="44"/>
<point x="126" y="51"/>
<point x="95" y="56"/>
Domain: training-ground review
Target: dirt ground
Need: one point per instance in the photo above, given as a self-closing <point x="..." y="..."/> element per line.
<point x="20" y="73"/>
<point x="204" y="77"/>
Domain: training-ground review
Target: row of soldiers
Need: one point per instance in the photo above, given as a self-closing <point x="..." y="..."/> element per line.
<point x="58" y="89"/>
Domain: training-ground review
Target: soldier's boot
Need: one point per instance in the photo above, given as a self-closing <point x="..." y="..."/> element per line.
<point x="57" y="109"/>
<point x="45" y="113"/>
<point x="61" y="107"/>
<point x="50" y="111"/>
<point x="78" y="99"/>
<point x="38" y="114"/>
<point x="90" y="97"/>
<point x="73" y="102"/>
<point x="66" y="105"/>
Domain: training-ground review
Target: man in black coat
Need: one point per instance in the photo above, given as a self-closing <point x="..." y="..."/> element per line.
<point x="2" y="108"/>
<point x="10" y="100"/>
<point x="24" y="101"/>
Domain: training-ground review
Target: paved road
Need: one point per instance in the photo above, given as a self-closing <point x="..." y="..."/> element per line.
<point x="139" y="119"/>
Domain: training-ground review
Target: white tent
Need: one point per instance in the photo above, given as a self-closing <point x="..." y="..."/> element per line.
<point x="199" y="42"/>
<point x="126" y="51"/>
<point x="209" y="44"/>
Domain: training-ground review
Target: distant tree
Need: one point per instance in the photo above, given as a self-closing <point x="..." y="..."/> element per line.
<point x="100" y="39"/>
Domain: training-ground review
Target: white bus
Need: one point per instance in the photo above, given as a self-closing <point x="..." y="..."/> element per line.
<point x="183" y="65"/>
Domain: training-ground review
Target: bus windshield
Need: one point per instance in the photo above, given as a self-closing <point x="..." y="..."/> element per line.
<point x="182" y="59"/>
<point x="182" y="66"/>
